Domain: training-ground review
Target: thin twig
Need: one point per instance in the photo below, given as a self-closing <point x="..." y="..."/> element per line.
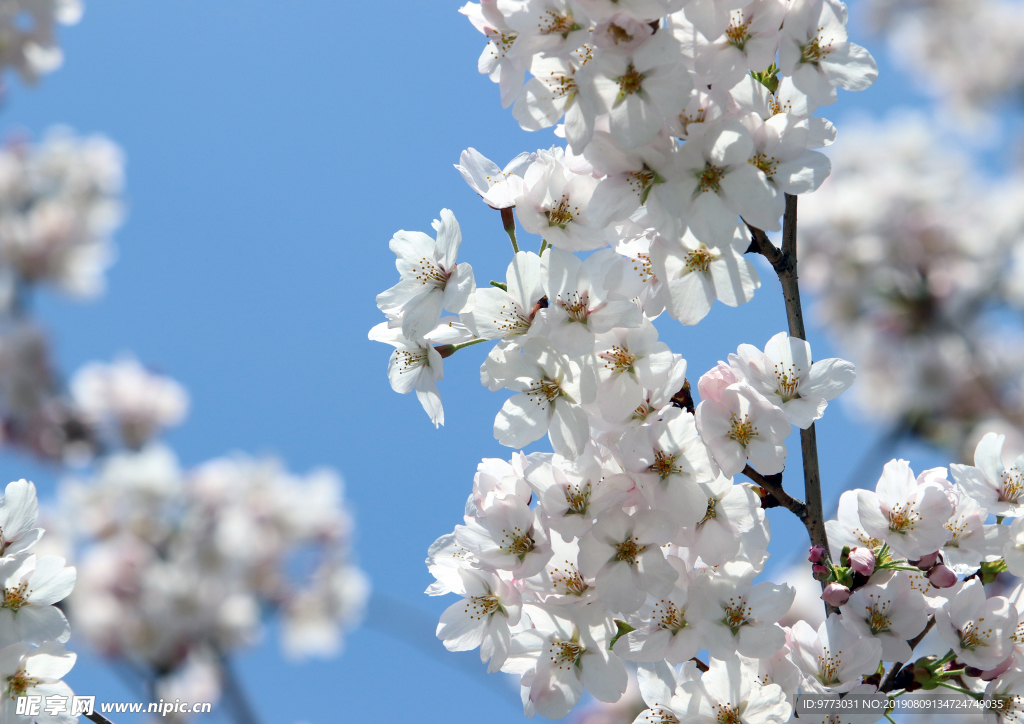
<point x="887" y="682"/>
<point x="773" y="484"/>
<point x="243" y="711"/>
<point x="97" y="717"/>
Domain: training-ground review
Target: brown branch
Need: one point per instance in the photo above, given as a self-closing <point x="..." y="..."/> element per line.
<point x="773" y="484"/>
<point x="890" y="678"/>
<point x="701" y="666"/>
<point x="684" y="398"/>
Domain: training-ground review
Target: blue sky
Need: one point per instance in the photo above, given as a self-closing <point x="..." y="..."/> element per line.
<point x="273" y="149"/>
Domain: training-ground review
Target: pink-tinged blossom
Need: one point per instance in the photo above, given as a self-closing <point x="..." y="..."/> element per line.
<point x="890" y="611"/>
<point x="623" y="553"/>
<point x="565" y="652"/>
<point x="740" y="617"/>
<point x="976" y="628"/>
<point x="744" y="426"/>
<point x="482" y="618"/>
<point x="835" y="594"/>
<point x="785" y="375"/>
<point x="732" y="512"/>
<point x="669" y="462"/>
<point x="548" y="401"/>
<point x="833" y="658"/>
<point x="862" y="561"/>
<point x="905" y="512"/>
<point x="506" y="536"/>
<point x="996" y="487"/>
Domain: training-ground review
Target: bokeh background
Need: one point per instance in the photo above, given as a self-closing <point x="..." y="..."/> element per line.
<point x="273" y="149"/>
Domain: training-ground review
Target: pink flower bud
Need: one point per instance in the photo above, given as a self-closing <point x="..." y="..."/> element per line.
<point x="818" y="568"/>
<point x="862" y="560"/>
<point x="998" y="671"/>
<point x="714" y="381"/>
<point x="835" y="594"/>
<point x="816" y="554"/>
<point x="927" y="562"/>
<point x="941" y="576"/>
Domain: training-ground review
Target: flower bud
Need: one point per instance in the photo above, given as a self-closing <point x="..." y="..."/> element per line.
<point x="820" y="570"/>
<point x="835" y="594"/>
<point x="927" y="561"/>
<point x="998" y="670"/>
<point x="715" y="380"/>
<point x="862" y="560"/>
<point x="817" y="554"/>
<point x="942" y="576"/>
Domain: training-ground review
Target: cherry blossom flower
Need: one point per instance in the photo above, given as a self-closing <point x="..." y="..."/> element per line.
<point x="431" y="278"/>
<point x="744" y="426"/>
<point x="578" y="303"/>
<point x="637" y="90"/>
<point x="889" y="611"/>
<point x="19" y="510"/>
<point x="814" y="50"/>
<point x="732" y="511"/>
<point x="976" y="628"/>
<point x="509" y="313"/>
<point x="565" y="652"/>
<point x="548" y="401"/>
<point x="695" y="274"/>
<point x="622" y="553"/>
<point x="669" y="462"/>
<point x="785" y="375"/>
<point x="997" y="488"/>
<point x="740" y="617"/>
<point x="30" y="586"/>
<point x="499" y="188"/>
<point x="833" y="658"/>
<point x="907" y="513"/>
<point x="482" y="618"/>
<point x="556" y="202"/>
<point x="730" y="691"/>
<point x="665" y="627"/>
<point x="506" y="536"/>
<point x="38" y="672"/>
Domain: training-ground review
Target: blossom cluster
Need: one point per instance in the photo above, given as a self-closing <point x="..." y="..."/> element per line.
<point x="28" y="39"/>
<point x="689" y="131"/>
<point x="179" y="568"/>
<point x="967" y="56"/>
<point x="916" y="264"/>
<point x="33" y="660"/>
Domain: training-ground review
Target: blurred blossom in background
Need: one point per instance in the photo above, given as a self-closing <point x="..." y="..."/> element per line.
<point x="270" y="164"/>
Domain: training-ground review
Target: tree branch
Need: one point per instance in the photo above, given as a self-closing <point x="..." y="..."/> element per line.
<point x="890" y="678"/>
<point x="239" y="702"/>
<point x="773" y="484"/>
<point x="98" y="718"/>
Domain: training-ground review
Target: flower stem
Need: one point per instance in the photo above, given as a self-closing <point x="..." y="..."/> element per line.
<point x="973" y="694"/>
<point x="447" y="350"/>
<point x="508" y="219"/>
